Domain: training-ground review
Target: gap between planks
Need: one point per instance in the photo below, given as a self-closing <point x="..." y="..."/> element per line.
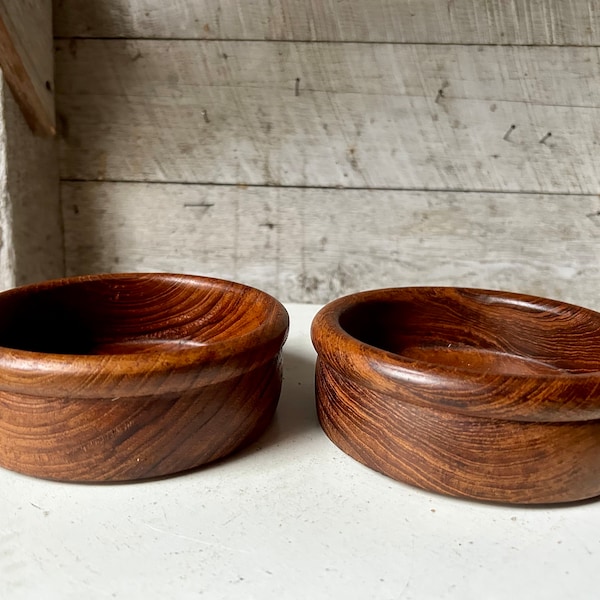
<point x="324" y="187"/>
<point x="62" y="38"/>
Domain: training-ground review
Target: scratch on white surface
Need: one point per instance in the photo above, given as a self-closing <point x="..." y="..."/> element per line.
<point x="233" y="518"/>
<point x="194" y="539"/>
<point x="410" y="567"/>
<point x="13" y="567"/>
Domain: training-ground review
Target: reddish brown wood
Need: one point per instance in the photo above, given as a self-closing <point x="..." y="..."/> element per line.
<point x="488" y="395"/>
<point x="121" y="377"/>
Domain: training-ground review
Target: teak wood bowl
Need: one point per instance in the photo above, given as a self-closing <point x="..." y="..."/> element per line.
<point x="474" y="393"/>
<point x="131" y="376"/>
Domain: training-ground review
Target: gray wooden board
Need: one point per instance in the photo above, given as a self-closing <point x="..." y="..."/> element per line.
<point x="362" y="115"/>
<point x="6" y="254"/>
<point x="574" y="22"/>
<point x="311" y="245"/>
<point x="32" y="247"/>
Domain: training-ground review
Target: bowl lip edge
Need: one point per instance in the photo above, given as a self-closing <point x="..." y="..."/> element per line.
<point x="374" y="367"/>
<point x="328" y="317"/>
<point x="19" y="362"/>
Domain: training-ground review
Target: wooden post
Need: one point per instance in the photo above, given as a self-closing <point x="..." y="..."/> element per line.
<point x="31" y="244"/>
<point x="26" y="59"/>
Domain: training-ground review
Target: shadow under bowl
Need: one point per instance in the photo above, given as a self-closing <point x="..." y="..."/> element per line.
<point x="473" y="393"/>
<point x="131" y="376"/>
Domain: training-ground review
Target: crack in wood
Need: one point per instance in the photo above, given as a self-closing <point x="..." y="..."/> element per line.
<point x="197" y="205"/>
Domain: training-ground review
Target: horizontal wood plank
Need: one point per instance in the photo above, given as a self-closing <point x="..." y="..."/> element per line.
<point x="310" y="245"/>
<point x="572" y="22"/>
<point x="349" y="115"/>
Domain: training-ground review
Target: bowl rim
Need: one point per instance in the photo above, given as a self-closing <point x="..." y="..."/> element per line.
<point x="386" y="372"/>
<point x="24" y="371"/>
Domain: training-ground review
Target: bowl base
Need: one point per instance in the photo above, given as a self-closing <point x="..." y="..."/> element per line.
<point x="136" y="438"/>
<point x="460" y="455"/>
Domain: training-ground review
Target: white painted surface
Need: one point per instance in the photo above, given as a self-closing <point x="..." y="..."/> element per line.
<point x="366" y="115"/>
<point x="291" y="517"/>
<point x="312" y="245"/>
<point x="423" y="21"/>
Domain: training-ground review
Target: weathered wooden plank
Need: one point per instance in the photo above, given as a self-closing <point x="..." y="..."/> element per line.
<point x="6" y="256"/>
<point x="31" y="243"/>
<point x="310" y="245"/>
<point x="575" y="22"/>
<point x="361" y="115"/>
<point x="26" y="59"/>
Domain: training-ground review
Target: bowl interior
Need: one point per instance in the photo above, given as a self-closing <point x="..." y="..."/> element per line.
<point x="477" y="330"/>
<point x="125" y="314"/>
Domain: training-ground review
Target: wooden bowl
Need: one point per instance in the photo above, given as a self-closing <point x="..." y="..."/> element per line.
<point x="473" y="393"/>
<point x="123" y="377"/>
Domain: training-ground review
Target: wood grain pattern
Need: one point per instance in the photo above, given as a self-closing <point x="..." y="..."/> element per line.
<point x="576" y="22"/>
<point x="26" y="59"/>
<point x="364" y="116"/>
<point x="122" y="377"/>
<point x="487" y="395"/>
<point x="312" y="245"/>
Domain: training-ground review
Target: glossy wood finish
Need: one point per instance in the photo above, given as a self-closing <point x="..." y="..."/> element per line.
<point x="121" y="377"/>
<point x="475" y="393"/>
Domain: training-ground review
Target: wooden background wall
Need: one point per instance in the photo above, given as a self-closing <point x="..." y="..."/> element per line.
<point x="31" y="240"/>
<point x="318" y="147"/>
